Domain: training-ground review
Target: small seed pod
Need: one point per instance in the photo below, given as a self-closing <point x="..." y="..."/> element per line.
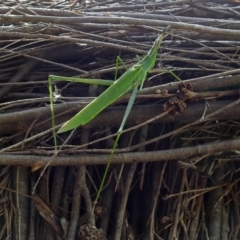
<point x="90" y="232"/>
<point x="182" y="87"/>
<point x="93" y="237"/>
<point x="82" y="233"/>
<point x="175" y="100"/>
<point x="189" y="87"/>
<point x="164" y="92"/>
<point x="100" y="210"/>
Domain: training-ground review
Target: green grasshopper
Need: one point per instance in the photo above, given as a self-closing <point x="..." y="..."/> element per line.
<point x="132" y="79"/>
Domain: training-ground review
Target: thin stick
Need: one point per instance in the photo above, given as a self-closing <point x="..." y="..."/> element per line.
<point x="129" y="107"/>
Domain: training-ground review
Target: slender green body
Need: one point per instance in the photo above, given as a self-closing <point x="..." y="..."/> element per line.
<point x="130" y="80"/>
<point x="133" y="77"/>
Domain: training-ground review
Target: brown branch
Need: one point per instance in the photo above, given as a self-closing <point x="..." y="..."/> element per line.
<point x="191" y="20"/>
<point x="164" y="155"/>
<point x="112" y="116"/>
<point x="69" y="39"/>
<point x="217" y="80"/>
<point x="114" y="20"/>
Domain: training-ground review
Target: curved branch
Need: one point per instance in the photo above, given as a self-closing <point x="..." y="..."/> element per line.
<point x="164" y="155"/>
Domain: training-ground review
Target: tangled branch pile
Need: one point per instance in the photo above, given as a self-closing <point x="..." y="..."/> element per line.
<point x="180" y="178"/>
